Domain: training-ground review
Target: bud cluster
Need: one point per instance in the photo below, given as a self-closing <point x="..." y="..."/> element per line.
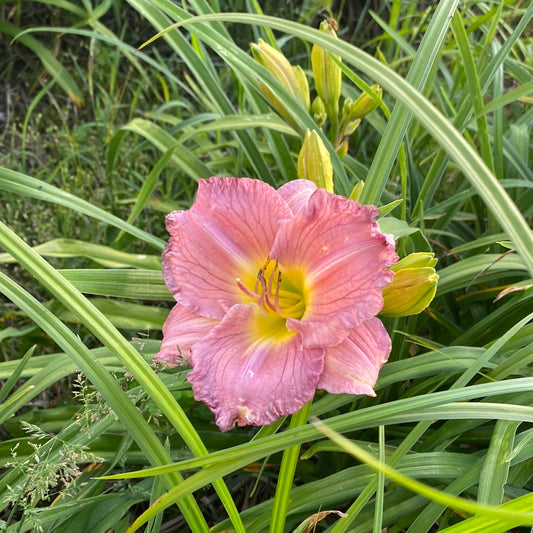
<point x="338" y="122"/>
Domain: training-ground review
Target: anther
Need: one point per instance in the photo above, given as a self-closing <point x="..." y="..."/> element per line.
<point x="258" y="280"/>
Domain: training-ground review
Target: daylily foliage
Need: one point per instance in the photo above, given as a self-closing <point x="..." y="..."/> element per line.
<point x="277" y="294"/>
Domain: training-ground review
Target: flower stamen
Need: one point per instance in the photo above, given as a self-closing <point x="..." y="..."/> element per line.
<point x="269" y="294"/>
<point x="276" y="295"/>
<point x="247" y="291"/>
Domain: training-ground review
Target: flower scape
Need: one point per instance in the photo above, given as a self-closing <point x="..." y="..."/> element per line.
<point x="277" y="294"/>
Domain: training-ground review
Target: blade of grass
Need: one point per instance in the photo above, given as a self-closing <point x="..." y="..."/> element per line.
<point x="7" y="387"/>
<point x="509" y="516"/>
<point x="50" y="63"/>
<point x="103" y="381"/>
<point x="123" y="315"/>
<point x="425" y="407"/>
<point x="155" y="13"/>
<point x="380" y="485"/>
<point x="497" y="462"/>
<point x="165" y="142"/>
<point x="431" y="513"/>
<point x="148" y="187"/>
<point x="287" y="469"/>
<point x="470" y="372"/>
<point x="24" y="185"/>
<point x="481" y="268"/>
<point x="131" y="284"/>
<point x="98" y="253"/>
<point x="389" y="145"/>
<point x="507" y="98"/>
<point x="16" y="401"/>
<point x="498" y="120"/>
<point x="401" y="451"/>
<point x="465" y="110"/>
<point x="483" y="524"/>
<point x="101" y="327"/>
<point x="474" y="87"/>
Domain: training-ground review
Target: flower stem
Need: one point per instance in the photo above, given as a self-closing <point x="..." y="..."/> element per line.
<point x="286" y="474"/>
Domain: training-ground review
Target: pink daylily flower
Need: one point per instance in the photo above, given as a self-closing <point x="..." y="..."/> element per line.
<point x="277" y="295"/>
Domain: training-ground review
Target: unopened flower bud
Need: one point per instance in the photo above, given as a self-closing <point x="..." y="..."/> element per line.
<point x="302" y="87"/>
<point x="413" y="287"/>
<point x="292" y="78"/>
<point x="318" y="111"/>
<point x="327" y="73"/>
<point x="314" y="162"/>
<point x="365" y="104"/>
<point x="342" y="149"/>
<point x="351" y="127"/>
<point x="276" y="104"/>
<point x="346" y="109"/>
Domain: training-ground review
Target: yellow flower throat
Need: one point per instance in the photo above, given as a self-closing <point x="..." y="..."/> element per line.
<point x="278" y="295"/>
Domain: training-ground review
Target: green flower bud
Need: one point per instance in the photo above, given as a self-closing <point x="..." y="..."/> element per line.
<point x="276" y="104"/>
<point x="364" y="104"/>
<point x="327" y="73"/>
<point x="314" y="162"/>
<point x="415" y="260"/>
<point x="346" y="109"/>
<point x="302" y="87"/>
<point x="318" y="111"/>
<point x="342" y="149"/>
<point x="351" y="127"/>
<point x="292" y="78"/>
<point x="413" y="287"/>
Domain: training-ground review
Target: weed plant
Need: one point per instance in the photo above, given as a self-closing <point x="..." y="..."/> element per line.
<point x="100" y="139"/>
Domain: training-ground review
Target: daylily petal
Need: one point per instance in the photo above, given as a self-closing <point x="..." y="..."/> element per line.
<point x="226" y="234"/>
<point x="352" y="366"/>
<point x="297" y="193"/>
<point x="251" y="372"/>
<point x="277" y="294"/>
<point x="344" y="260"/>
<point x="181" y="330"/>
